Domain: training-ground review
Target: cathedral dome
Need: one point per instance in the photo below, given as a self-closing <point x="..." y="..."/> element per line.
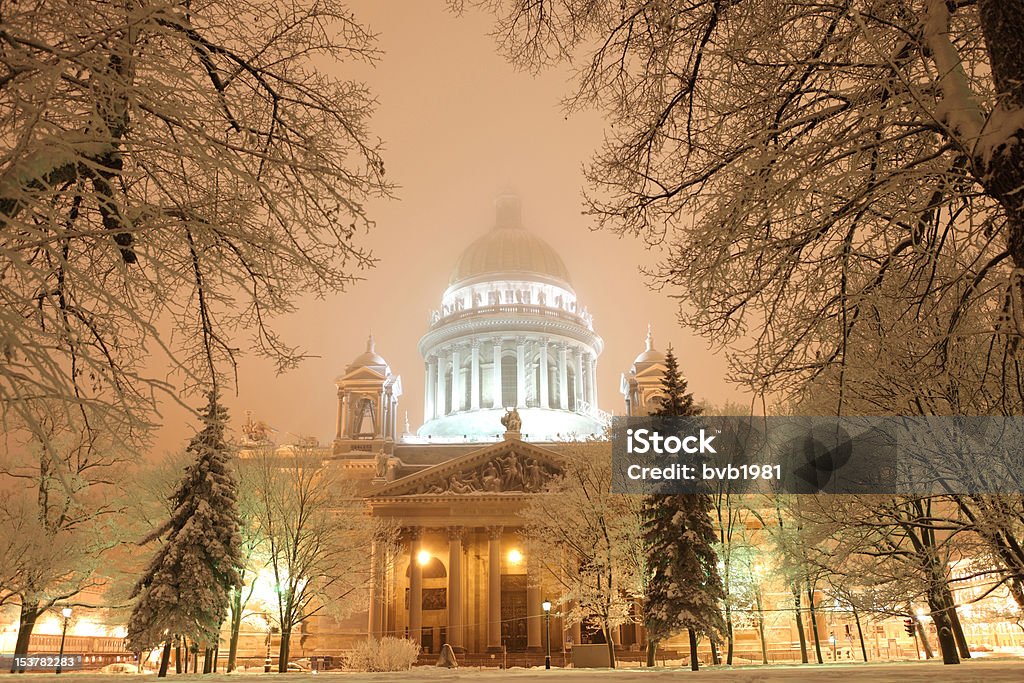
<point x="509" y="249"/>
<point x="369" y="358"/>
<point x="650" y="354"/>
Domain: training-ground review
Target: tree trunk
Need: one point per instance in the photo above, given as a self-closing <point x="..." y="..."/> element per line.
<point x="208" y="660"/>
<point x="730" y="646"/>
<point x="177" y="657"/>
<point x="800" y="623"/>
<point x="611" y="646"/>
<point x="1002" y="24"/>
<point x="282" y="652"/>
<point x="760" y="633"/>
<point x="27" y="617"/>
<point x="652" y="649"/>
<point x="923" y="637"/>
<point x="860" y="633"/>
<point x="165" y="658"/>
<point x="715" y="658"/>
<point x="814" y="623"/>
<point x="216" y="655"/>
<point x="236" y="626"/>
<point x="694" y="660"/>
<point x="187" y="651"/>
<point x="954" y="622"/>
<point x="947" y="642"/>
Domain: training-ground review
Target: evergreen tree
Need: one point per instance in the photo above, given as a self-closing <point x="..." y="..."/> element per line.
<point x="677" y="401"/>
<point x="185" y="590"/>
<point x="684" y="588"/>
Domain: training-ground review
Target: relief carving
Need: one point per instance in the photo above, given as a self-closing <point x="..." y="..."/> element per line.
<point x="506" y="473"/>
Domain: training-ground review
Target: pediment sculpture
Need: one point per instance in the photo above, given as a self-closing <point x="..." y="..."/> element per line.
<point x="506" y="473"/>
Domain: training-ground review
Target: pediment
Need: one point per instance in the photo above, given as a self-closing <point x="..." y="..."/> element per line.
<point x="507" y="467"/>
<point x="656" y="371"/>
<point x="363" y="374"/>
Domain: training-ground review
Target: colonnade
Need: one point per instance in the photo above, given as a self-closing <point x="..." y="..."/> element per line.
<point x="449" y="367"/>
<point x="489" y="599"/>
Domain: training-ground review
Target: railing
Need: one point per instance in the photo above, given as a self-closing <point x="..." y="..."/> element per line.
<point x="437" y="318"/>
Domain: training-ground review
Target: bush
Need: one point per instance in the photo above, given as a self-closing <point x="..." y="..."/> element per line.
<point x="386" y="654"/>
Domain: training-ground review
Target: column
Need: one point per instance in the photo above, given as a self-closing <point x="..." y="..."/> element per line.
<point x="455" y="637"/>
<point x="342" y="410"/>
<point x="575" y="632"/>
<point x="429" y="409"/>
<point x="563" y="377"/>
<point x="376" y="588"/>
<point x="534" y="613"/>
<point x="439" y="401"/>
<point x="456" y="380"/>
<point x="496" y="375"/>
<point x="474" y="375"/>
<point x="494" y="590"/>
<point x="543" y="374"/>
<point x="415" y="586"/>
<point x="588" y="369"/>
<point x="520" y="372"/>
<point x="341" y="413"/>
<point x="578" y="379"/>
<point x="593" y="381"/>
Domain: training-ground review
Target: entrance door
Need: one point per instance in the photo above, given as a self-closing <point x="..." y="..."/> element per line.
<point x="513" y="612"/>
<point x="427" y="639"/>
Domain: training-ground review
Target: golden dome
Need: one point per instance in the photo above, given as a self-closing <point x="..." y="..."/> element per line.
<point x="509" y="249"/>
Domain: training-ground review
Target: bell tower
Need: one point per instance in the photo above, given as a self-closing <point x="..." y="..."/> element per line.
<point x="641" y="386"/>
<point x="368" y="395"/>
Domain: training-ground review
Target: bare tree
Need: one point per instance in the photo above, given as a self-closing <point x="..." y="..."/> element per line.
<point x="316" y="534"/>
<point x="57" y="517"/>
<point x="171" y="172"/>
<point x="599" y="565"/>
<point x="251" y="551"/>
<point x="803" y="164"/>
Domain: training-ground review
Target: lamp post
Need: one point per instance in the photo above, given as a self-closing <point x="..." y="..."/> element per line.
<point x="271" y="630"/>
<point x="66" y="613"/>
<point x="546" y="606"/>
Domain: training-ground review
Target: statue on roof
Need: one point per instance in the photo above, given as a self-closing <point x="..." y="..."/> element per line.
<point x="255" y="431"/>
<point x="511" y="420"/>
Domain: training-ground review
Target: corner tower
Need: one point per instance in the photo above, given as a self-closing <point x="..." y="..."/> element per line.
<point x="510" y="333"/>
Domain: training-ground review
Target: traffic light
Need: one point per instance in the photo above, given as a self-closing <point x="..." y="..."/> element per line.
<point x="908" y="626"/>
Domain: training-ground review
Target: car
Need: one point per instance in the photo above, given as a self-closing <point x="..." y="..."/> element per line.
<point x="297" y="667"/>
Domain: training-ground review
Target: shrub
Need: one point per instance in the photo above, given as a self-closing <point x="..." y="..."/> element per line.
<point x="386" y="654"/>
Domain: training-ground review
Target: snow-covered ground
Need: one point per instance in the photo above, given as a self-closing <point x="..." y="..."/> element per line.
<point x="978" y="671"/>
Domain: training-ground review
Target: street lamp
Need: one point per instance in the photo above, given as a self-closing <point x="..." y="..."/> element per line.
<point x="271" y="630"/>
<point x="546" y="606"/>
<point x="66" y="613"/>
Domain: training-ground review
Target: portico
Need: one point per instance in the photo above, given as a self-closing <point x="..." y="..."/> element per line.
<point x="462" y="571"/>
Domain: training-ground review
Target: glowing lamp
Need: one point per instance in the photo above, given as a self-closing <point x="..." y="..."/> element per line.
<point x="514" y="556"/>
<point x="66" y="612"/>
<point x="423" y="557"/>
<point x="546" y="606"/>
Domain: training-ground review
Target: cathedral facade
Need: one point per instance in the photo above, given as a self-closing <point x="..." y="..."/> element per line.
<point x="510" y="366"/>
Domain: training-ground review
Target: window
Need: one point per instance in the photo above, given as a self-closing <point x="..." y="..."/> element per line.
<point x="509" y="374"/>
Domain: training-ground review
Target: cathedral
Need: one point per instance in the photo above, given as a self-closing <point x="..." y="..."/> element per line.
<point x="510" y="360"/>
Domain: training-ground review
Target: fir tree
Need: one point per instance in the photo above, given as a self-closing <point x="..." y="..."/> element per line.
<point x="185" y="590"/>
<point x="684" y="588"/>
<point x="677" y="401"/>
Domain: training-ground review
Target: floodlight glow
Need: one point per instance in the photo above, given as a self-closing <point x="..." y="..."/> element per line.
<point x="423" y="557"/>
<point x="514" y="556"/>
